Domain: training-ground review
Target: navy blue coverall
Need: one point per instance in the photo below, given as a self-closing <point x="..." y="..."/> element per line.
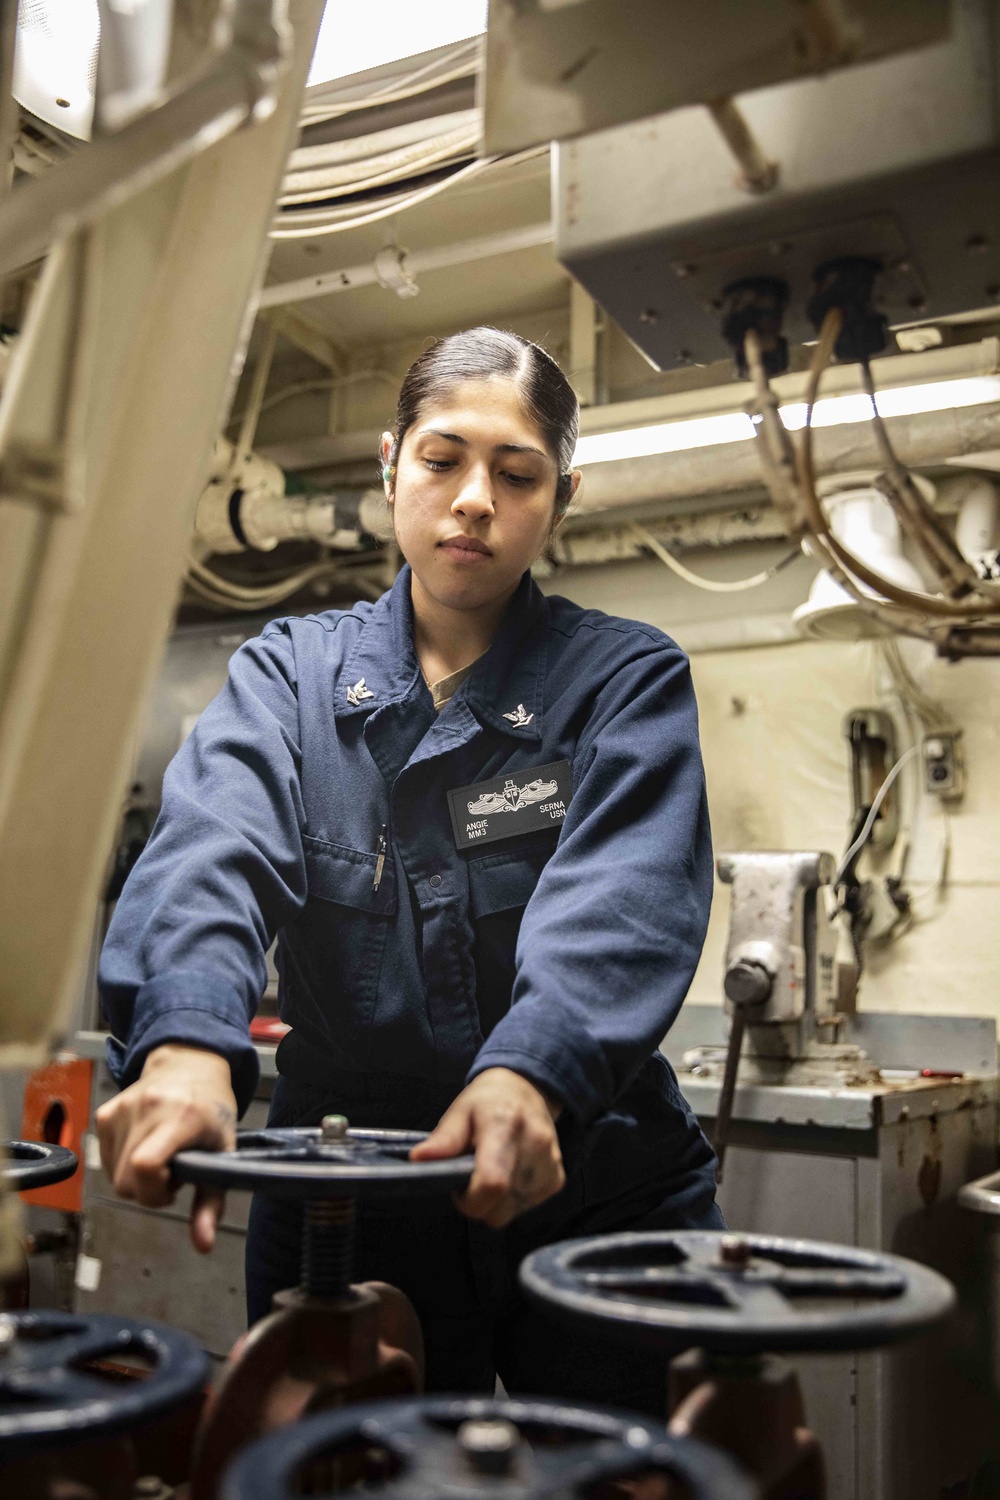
<point x="563" y="952"/>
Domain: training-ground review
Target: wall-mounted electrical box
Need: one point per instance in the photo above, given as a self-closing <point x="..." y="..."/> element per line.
<point x="895" y="162"/>
<point x="871" y="734"/>
<point x="944" y="765"/>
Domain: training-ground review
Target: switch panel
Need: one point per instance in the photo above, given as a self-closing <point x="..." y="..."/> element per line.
<point x="944" y="766"/>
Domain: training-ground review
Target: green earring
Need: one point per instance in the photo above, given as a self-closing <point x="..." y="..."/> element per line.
<point x="388" y="471"/>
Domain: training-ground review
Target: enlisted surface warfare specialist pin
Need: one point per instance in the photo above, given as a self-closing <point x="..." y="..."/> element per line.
<point x="510" y="805"/>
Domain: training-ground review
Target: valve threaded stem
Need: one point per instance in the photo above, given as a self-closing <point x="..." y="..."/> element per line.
<point x="327" y="1247"/>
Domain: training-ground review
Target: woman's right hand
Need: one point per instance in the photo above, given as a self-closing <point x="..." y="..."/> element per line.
<point x="184" y="1097"/>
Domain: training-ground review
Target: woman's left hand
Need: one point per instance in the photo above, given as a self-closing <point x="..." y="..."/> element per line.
<point x="511" y="1125"/>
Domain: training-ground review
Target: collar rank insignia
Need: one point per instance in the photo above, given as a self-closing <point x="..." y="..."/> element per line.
<point x="519" y="718"/>
<point x="356" y="693"/>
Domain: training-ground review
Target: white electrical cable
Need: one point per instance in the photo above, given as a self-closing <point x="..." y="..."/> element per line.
<point x="932" y="714"/>
<point x="461" y="61"/>
<point x="399" y="204"/>
<point x="331" y="383"/>
<point x="873" y="812"/>
<point x="386" y="142"/>
<point x="343" y="167"/>
<point x="318" y="223"/>
<point x="712" y="585"/>
<point x="322" y="190"/>
<point x="936" y="886"/>
<point x="239" y="598"/>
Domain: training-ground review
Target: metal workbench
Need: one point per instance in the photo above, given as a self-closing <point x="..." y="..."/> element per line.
<point x="877" y="1166"/>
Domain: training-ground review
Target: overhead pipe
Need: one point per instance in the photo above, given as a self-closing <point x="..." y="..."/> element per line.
<point x="413" y="263"/>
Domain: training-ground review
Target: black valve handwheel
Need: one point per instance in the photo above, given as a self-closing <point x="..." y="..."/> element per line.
<point x="61" y="1377"/>
<point x="33" y="1164"/>
<point x="464" y="1448"/>
<point x="735" y="1294"/>
<point x="299" y="1163"/>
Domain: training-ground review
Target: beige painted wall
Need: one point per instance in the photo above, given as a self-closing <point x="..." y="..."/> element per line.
<point x="777" y="768"/>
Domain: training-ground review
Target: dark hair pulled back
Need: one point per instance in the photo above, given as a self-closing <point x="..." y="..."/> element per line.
<point x="480" y="353"/>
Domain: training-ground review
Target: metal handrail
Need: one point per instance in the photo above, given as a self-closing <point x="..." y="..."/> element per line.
<point x="982" y="1196"/>
<point x="239" y="84"/>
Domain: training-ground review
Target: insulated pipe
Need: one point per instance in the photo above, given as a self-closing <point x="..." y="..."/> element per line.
<point x="460" y="253"/>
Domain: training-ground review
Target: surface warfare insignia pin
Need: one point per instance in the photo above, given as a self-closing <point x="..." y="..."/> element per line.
<point x="513" y="797"/>
<point x="519" y="718"/>
<point x="508" y="806"/>
<point x="356" y="693"/>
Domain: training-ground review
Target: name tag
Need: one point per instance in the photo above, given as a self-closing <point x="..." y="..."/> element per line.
<point x="522" y="802"/>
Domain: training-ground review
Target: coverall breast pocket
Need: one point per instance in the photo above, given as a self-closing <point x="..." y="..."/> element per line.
<point x="336" y="947"/>
<point x="500" y="887"/>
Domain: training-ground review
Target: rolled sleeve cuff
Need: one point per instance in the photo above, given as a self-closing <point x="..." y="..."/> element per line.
<point x="189" y="1011"/>
<point x="565" y="1082"/>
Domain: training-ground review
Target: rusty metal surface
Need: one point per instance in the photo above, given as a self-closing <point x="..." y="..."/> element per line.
<point x="309" y="1355"/>
<point x="965" y="1044"/>
<point x="756" y="1413"/>
<point x="862" y="1108"/>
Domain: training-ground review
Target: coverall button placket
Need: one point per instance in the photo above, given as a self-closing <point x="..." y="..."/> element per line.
<point x="440" y="886"/>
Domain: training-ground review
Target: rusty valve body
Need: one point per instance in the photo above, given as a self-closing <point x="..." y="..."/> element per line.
<point x="327" y="1343"/>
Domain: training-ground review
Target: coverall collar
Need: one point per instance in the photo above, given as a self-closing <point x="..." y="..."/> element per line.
<point x="505" y="688"/>
<point x="383" y="666"/>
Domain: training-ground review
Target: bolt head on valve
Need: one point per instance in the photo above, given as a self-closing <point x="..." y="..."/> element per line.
<point x="734" y="1250"/>
<point x="489" y="1446"/>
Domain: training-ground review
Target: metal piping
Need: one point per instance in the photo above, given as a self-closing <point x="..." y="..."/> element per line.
<point x="460" y="253"/>
<point x="758" y="174"/>
<point x="240" y="85"/>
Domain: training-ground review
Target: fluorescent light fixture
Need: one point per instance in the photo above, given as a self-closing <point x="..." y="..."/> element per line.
<point x="901" y="401"/>
<point x="665" y="437"/>
<point x="830" y="411"/>
<point x="353" y="38"/>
